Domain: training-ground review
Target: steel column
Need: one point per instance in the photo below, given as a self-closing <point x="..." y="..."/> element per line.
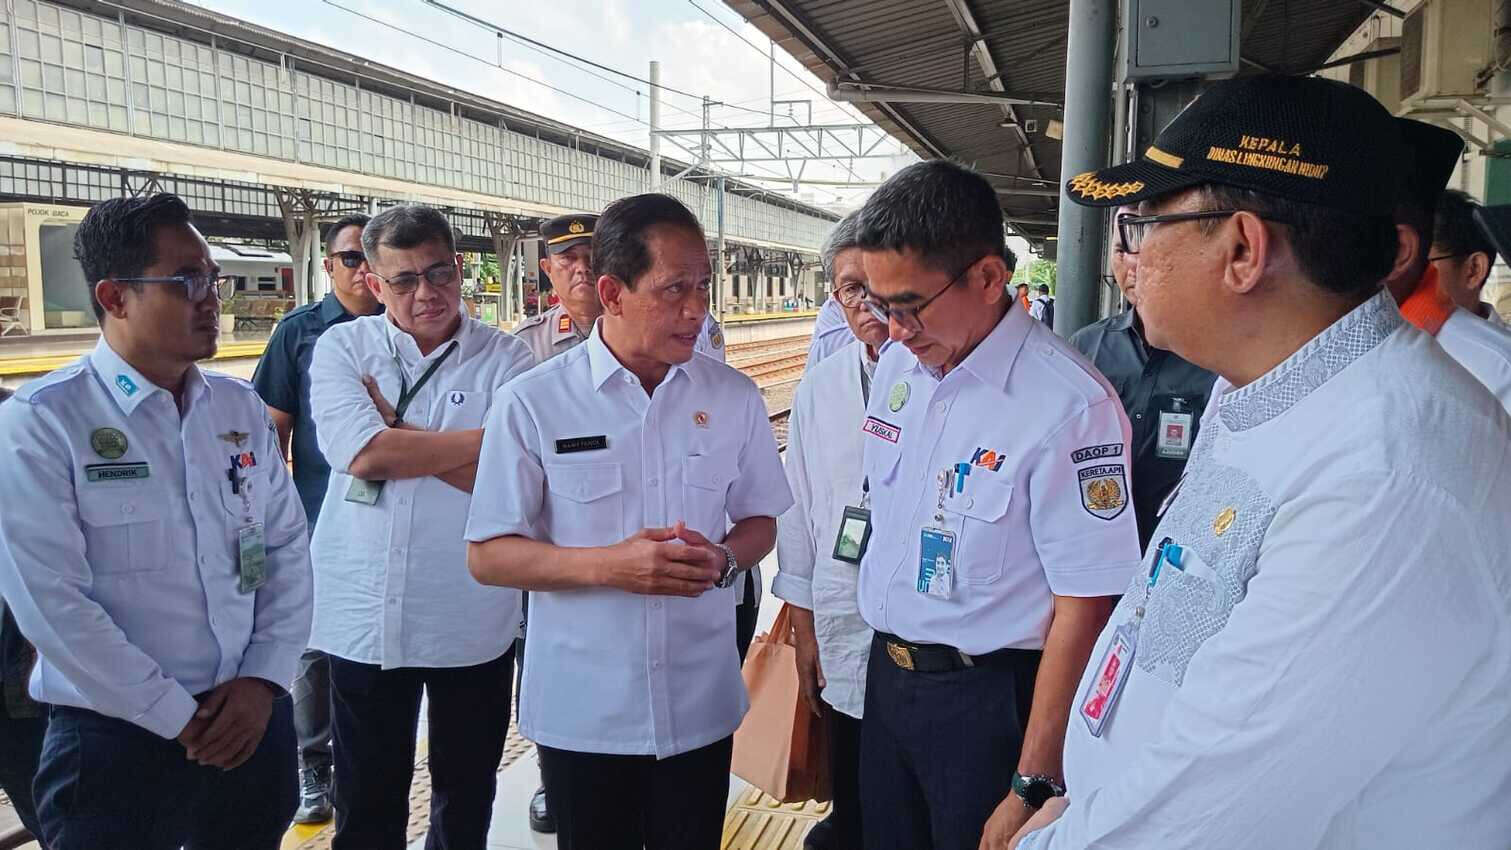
<point x="1088" y="114"/>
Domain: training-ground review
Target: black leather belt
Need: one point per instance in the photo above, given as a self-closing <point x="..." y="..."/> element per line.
<point x="936" y="657"/>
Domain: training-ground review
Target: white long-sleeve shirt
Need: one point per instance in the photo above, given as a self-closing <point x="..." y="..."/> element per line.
<point x="1329" y="668"/>
<point x="824" y="450"/>
<point x="1483" y="346"/>
<point x="119" y="544"/>
<point x="391" y="581"/>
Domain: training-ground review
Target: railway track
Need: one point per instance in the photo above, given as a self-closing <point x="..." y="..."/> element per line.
<point x="779" y="426"/>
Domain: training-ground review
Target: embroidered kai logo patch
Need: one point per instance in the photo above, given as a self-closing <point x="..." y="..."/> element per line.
<point x="1104" y="490"/>
<point x="245" y="460"/>
<point x="127" y="385"/>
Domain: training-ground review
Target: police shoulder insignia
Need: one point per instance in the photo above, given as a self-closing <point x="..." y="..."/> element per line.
<point x="1104" y="490"/>
<point x="716" y="337"/>
<point x="564" y="324"/>
<point x="108" y="443"/>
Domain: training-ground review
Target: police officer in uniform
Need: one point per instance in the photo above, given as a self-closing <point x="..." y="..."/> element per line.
<point x="568" y="264"/>
<point x="153" y="548"/>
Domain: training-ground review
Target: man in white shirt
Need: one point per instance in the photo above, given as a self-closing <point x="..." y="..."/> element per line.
<point x="614" y="471"/>
<point x="992" y="556"/>
<point x="153" y="548"/>
<point x="399" y="404"/>
<point x="831" y="332"/>
<point x="1316" y="652"/>
<point x="1474" y="333"/>
<point x="818" y="570"/>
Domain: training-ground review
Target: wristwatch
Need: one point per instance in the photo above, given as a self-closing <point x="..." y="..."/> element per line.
<point x="1036" y="789"/>
<point x="731" y="566"/>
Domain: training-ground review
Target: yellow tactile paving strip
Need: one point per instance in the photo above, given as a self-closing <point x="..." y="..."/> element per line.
<point x="318" y="836"/>
<point x="759" y="822"/>
<point x="42" y="364"/>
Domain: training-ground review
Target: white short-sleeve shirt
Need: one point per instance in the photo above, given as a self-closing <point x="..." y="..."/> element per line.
<point x="576" y="454"/>
<point x="1042" y="511"/>
<point x="1483" y="346"/>
<point x="391" y="581"/>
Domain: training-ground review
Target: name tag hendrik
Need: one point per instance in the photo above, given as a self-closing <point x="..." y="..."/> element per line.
<point x="116" y="471"/>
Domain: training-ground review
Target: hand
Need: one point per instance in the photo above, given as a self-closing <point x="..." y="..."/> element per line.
<point x="653" y="562"/>
<point x="1048" y="814"/>
<point x="810" y="672"/>
<point x="230" y="723"/>
<point x="714" y="555"/>
<point x="1002" y="827"/>
<point x="386" y="411"/>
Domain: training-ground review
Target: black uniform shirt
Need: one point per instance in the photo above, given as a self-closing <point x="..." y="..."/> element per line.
<point x="1150" y="381"/>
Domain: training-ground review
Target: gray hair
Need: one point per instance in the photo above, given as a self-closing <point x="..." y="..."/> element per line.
<point x="841" y="238"/>
<point x="404" y="227"/>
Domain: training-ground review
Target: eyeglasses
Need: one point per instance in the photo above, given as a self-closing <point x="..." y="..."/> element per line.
<point x="908" y="317"/>
<point x="440" y="276"/>
<point x="1109" y="280"/>
<point x="197" y="287"/>
<point x="1449" y="256"/>
<point x="350" y="259"/>
<point x="1133" y="228"/>
<point x="851" y="295"/>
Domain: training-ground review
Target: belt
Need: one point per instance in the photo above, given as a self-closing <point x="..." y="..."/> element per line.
<point x="938" y="658"/>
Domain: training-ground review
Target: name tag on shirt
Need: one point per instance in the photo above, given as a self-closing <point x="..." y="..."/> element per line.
<point x="1174" y="439"/>
<point x="1112" y="673"/>
<point x="116" y="471"/>
<point x="364" y="492"/>
<point x="936" y="563"/>
<point x="252" y="561"/>
<point x="571" y="445"/>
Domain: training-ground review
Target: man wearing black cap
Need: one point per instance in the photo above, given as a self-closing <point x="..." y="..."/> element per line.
<point x="568" y="264"/>
<point x="1276" y="674"/>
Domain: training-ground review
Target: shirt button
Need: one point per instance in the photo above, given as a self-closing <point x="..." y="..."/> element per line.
<point x="214" y="622"/>
<point x="192" y="495"/>
<point x="1138" y="416"/>
<point x="128" y="509"/>
<point x="941" y="407"/>
<point x="656" y="665"/>
<point x="651" y="482"/>
<point x="656" y="604"/>
<point x="403" y="500"/>
<point x="970" y="503"/>
<point x="393" y="602"/>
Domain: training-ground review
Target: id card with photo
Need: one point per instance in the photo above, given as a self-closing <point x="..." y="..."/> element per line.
<point x="252" y="558"/>
<point x="853" y="536"/>
<point x="936" y="563"/>
<point x="1112" y="674"/>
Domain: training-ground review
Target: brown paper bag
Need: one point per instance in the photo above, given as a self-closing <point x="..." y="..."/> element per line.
<point x="781" y="748"/>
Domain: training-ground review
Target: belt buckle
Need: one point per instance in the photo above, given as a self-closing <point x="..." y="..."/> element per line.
<point x="901" y="655"/>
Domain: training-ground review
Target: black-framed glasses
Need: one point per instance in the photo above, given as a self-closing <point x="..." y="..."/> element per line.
<point x="908" y="317"/>
<point x="850" y="295"/>
<point x="1133" y="228"/>
<point x="440" y="276"/>
<point x="350" y="259"/>
<point x="1449" y="256"/>
<point x="1109" y="280"/>
<point x="197" y="287"/>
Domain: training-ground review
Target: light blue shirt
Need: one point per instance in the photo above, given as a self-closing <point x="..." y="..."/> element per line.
<point x="119" y="540"/>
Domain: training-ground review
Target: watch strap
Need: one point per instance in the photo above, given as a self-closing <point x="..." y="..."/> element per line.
<point x="1036" y="788"/>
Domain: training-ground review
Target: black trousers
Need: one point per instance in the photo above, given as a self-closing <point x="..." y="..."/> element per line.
<point x="938" y="750"/>
<point x="106" y="784"/>
<point x="610" y="802"/>
<point x="20" y="753"/>
<point x="312" y="710"/>
<point x="844" y="760"/>
<point x="374" y="717"/>
<point x="746" y="614"/>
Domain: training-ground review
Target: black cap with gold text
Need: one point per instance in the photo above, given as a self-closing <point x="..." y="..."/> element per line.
<point x="564" y="231"/>
<point x="1304" y="139"/>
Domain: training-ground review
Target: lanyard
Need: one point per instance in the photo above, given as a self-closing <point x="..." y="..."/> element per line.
<point x="406" y="392"/>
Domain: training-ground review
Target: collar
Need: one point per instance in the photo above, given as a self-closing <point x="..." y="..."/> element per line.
<point x="408" y="350"/>
<point x="129" y="387"/>
<point x="331" y="309"/>
<point x="1122" y="321"/>
<point x="992" y="358"/>
<point x="603" y="365"/>
<point x="1312" y="365"/>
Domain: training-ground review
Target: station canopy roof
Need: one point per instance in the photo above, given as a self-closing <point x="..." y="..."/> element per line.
<point x="1017" y="46"/>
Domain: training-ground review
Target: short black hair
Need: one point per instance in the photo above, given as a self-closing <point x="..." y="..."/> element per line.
<point x="404" y="227"/>
<point x="1345" y="253"/>
<point x="940" y="209"/>
<point x="619" y="248"/>
<point x="117" y="237"/>
<point x="357" y="220"/>
<point x="1456" y="230"/>
<point x="1044" y="288"/>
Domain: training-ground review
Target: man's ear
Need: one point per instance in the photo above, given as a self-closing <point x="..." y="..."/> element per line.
<point x="544" y="266"/>
<point x="994" y="276"/>
<point x="374" y="284"/>
<point x="610" y="290"/>
<point x="330" y="269"/>
<point x="1477" y="266"/>
<point x="1409" y="250"/>
<point x="112" y="296"/>
<point x="1248" y="248"/>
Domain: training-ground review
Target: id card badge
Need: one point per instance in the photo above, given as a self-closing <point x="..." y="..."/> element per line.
<point x="853" y="536"/>
<point x="252" y="559"/>
<point x="1174" y="439"/>
<point x="936" y="563"/>
<point x="364" y="492"/>
<point x="1112" y="674"/>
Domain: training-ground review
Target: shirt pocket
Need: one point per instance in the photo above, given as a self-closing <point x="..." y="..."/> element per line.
<point x="125" y="530"/>
<point x="248" y="504"/>
<point x="462" y="409"/>
<point x="983" y="531"/>
<point x="585" y="503"/>
<point x="706" y="480"/>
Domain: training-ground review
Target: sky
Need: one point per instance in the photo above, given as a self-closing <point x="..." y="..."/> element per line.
<point x="703" y="46"/>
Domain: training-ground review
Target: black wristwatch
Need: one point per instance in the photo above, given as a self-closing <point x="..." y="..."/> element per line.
<point x="731" y="567"/>
<point x="1036" y="789"/>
